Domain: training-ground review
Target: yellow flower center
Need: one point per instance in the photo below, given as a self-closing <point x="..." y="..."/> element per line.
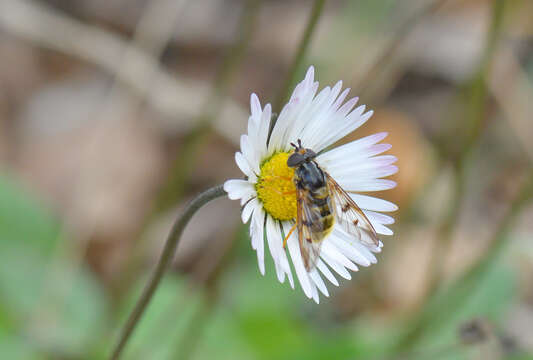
<point x="275" y="187"/>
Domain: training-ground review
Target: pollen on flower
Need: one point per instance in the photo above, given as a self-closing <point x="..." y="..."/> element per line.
<point x="275" y="187"/>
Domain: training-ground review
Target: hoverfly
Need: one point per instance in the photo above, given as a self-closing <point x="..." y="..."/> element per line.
<point x="320" y="202"/>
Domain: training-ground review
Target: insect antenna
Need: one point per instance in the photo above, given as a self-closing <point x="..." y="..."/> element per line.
<point x="299" y="146"/>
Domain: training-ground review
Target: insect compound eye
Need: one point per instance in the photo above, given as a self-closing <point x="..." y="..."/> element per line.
<point x="309" y="154"/>
<point x="295" y="159"/>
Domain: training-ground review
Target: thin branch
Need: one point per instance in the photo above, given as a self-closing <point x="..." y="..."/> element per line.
<point x="49" y="28"/>
<point x="283" y="95"/>
<point x="478" y="95"/>
<point x="400" y="35"/>
<point x="474" y="120"/>
<point x="180" y="171"/>
<point x="431" y="313"/>
<point x="164" y="261"/>
<point x="511" y="88"/>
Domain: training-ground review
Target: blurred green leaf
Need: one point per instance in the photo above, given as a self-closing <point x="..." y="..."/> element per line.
<point x="524" y="356"/>
<point x="268" y="320"/>
<point x="56" y="309"/>
<point x="25" y="223"/>
<point x="165" y="320"/>
<point x="486" y="295"/>
<point x="14" y="347"/>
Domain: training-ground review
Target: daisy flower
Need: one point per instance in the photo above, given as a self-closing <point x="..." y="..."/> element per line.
<point x="268" y="192"/>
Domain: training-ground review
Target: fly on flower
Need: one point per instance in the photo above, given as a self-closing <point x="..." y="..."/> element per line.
<point x="313" y="188"/>
<point x="320" y="201"/>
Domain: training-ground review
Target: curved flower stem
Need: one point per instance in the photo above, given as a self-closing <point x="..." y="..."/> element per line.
<point x="164" y="261"/>
<point x="172" y="189"/>
<point x="300" y="53"/>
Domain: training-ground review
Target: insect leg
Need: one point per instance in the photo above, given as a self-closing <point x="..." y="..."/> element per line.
<point x="288" y="235"/>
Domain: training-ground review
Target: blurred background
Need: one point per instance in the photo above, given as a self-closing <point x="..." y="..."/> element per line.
<point x="113" y="114"/>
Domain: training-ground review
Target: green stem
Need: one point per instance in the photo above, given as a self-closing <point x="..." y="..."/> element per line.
<point x="164" y="261"/>
<point x="475" y="120"/>
<point x="181" y="168"/>
<point x="475" y="116"/>
<point x="283" y="95"/>
<point x="432" y="313"/>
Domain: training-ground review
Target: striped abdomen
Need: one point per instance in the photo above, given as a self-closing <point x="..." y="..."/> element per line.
<point x="310" y="178"/>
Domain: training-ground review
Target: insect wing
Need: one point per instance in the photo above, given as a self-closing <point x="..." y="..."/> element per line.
<point x="349" y="215"/>
<point x="310" y="229"/>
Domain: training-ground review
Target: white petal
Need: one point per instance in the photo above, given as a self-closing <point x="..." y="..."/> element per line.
<point x="341" y="270"/>
<point x="357" y="185"/>
<point x="330" y="119"/>
<point x="264" y="128"/>
<point x="300" y="117"/>
<point x="239" y="189"/>
<point x="348" y="106"/>
<point x="316" y="298"/>
<point x="351" y="149"/>
<point x="334" y="93"/>
<point x="242" y="163"/>
<point x="382" y="229"/>
<point x="255" y="106"/>
<point x="361" y="164"/>
<point x="290" y="117"/>
<point x="253" y="129"/>
<point x="275" y="246"/>
<point x="301" y="273"/>
<point x="309" y="77"/>
<point x="366" y="202"/>
<point x="331" y="250"/>
<point x="315" y="276"/>
<point x="317" y="118"/>
<point x="248" y="209"/>
<point x="345" y="176"/>
<point x="279" y="273"/>
<point x="284" y="262"/>
<point x="250" y="153"/>
<point x="340" y="99"/>
<point x="361" y="248"/>
<point x="340" y="129"/>
<point x="344" y="244"/>
<point x="378" y="217"/>
<point x="257" y="230"/>
<point x="364" y="250"/>
<point x="308" y="118"/>
<point x="327" y="273"/>
<point x="355" y="250"/>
